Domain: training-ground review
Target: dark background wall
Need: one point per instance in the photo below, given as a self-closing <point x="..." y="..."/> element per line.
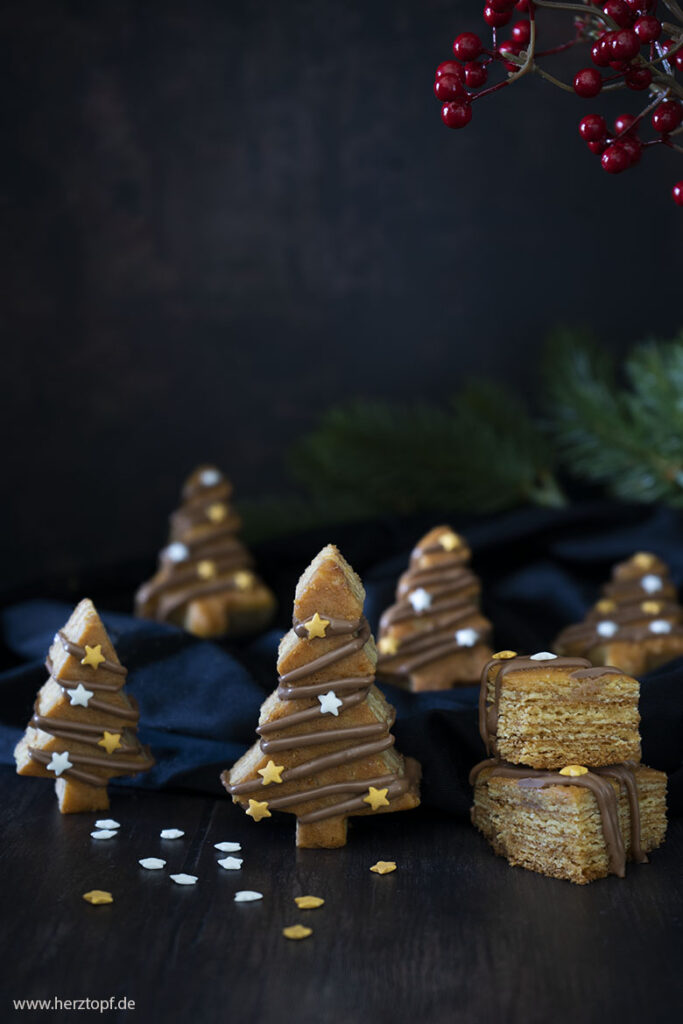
<point x="224" y="215"/>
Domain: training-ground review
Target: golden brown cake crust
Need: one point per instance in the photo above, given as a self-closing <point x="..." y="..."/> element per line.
<point x="325" y="750"/>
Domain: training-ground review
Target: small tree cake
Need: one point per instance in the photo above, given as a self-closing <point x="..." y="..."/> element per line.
<point x="577" y="824"/>
<point x="546" y="712"/>
<point x="205" y="582"/>
<point x="637" y="624"/>
<point x="84" y="728"/>
<point x="326" y="749"/>
<point x="434" y="636"/>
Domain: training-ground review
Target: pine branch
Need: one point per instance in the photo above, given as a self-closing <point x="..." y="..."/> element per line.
<point x="629" y="438"/>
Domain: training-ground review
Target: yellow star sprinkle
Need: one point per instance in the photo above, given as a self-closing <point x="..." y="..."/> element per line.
<point x="376" y="798"/>
<point x="450" y="541"/>
<point x="271" y="773"/>
<point x="387" y="645"/>
<point x="243" y="580"/>
<point x="111" y="741"/>
<point x="574" y="770"/>
<point x="384" y="867"/>
<point x="217" y="512"/>
<point x="206" y="569"/>
<point x="93" y="656"/>
<point x="505" y="655"/>
<point x="297" y="931"/>
<point x="643" y="559"/>
<point x="651" y="607"/>
<point x="316" y="626"/>
<point x="258" y="809"/>
<point x="96" y="896"/>
<point x="605" y="606"/>
<point x="308" y="902"/>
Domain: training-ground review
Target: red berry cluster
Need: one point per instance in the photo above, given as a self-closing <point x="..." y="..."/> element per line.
<point x="624" y="39"/>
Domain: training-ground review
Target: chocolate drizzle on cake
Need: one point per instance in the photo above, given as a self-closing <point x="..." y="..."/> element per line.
<point x="355" y="742"/>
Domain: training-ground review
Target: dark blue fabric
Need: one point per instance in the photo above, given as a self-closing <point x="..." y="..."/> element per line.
<point x="199" y="701"/>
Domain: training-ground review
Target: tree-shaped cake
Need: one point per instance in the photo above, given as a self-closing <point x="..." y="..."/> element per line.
<point x="637" y="624"/>
<point x="434" y="636"/>
<point x="205" y="581"/>
<point x="84" y="727"/>
<point x="326" y="750"/>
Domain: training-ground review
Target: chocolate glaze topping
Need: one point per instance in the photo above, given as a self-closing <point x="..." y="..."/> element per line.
<point x="373" y="738"/>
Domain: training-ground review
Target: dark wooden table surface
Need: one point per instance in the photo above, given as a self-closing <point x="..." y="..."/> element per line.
<point x="453" y="935"/>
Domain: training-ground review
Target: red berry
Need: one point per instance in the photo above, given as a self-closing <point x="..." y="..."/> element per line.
<point x="521" y="32"/>
<point x="677" y="193"/>
<point x="506" y="48"/>
<point x="615" y="159"/>
<point x="522" y="5"/>
<point x="647" y="28"/>
<point x="449" y="87"/>
<point x="623" y="123"/>
<point x="638" y="78"/>
<point x="634" y="149"/>
<point x="587" y="83"/>
<point x="496" y="19"/>
<point x="501" y="5"/>
<point x="475" y="75"/>
<point x="456" y="115"/>
<point x="619" y="12"/>
<point x="592" y="128"/>
<point x="598" y="147"/>
<point x="667" y="117"/>
<point x="625" y="44"/>
<point x="467" y="46"/>
<point x="601" y="53"/>
<point x="677" y="58"/>
<point x="451" y="67"/>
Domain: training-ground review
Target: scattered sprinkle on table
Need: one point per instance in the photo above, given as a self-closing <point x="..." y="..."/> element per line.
<point x="183" y="879"/>
<point x="171" y="833"/>
<point x="384" y="867"/>
<point x="227" y="847"/>
<point x="97" y="896"/>
<point x="308" y="902"/>
<point x="231" y="863"/>
<point x="104" y="833"/>
<point x="107" y="823"/>
<point x="152" y="863"/>
<point x="247" y="896"/>
<point x="297" y="931"/>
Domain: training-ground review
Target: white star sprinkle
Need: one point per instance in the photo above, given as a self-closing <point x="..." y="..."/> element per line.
<point x="177" y="552"/>
<point x="107" y="823"/>
<point x="171" y="833"/>
<point x="247" y="896"/>
<point x="420" y="599"/>
<point x="466" y="637"/>
<point x="152" y="863"/>
<point x="227" y="847"/>
<point x="651" y="584"/>
<point x="104" y="833"/>
<point x="606" y="628"/>
<point x="329" y="703"/>
<point x="660" y="626"/>
<point x="543" y="656"/>
<point x="209" y="477"/>
<point x="80" y="695"/>
<point x="59" y="763"/>
<point x="231" y="863"/>
<point x="183" y="879"/>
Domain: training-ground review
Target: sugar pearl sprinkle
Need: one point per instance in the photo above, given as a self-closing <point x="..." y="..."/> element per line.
<point x="210" y="477"/>
<point x="466" y="637"/>
<point x="171" y="833"/>
<point x="227" y="847"/>
<point x="177" y="552"/>
<point x="231" y="863"/>
<point x="152" y="863"/>
<point x="607" y="628"/>
<point x="247" y="896"/>
<point x="107" y="823"/>
<point x="183" y="879"/>
<point x="660" y="626"/>
<point x="543" y="656"/>
<point x="651" y="584"/>
<point x="104" y="833"/>
<point x="420" y="599"/>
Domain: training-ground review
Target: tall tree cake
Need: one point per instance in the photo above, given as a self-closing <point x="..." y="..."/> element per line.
<point x="84" y="727"/>
<point x="325" y="748"/>
<point x="434" y="636"/>
<point x="205" y="581"/>
<point x="563" y="791"/>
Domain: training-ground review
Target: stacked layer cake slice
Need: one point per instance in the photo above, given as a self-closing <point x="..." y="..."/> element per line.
<point x="562" y="791"/>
